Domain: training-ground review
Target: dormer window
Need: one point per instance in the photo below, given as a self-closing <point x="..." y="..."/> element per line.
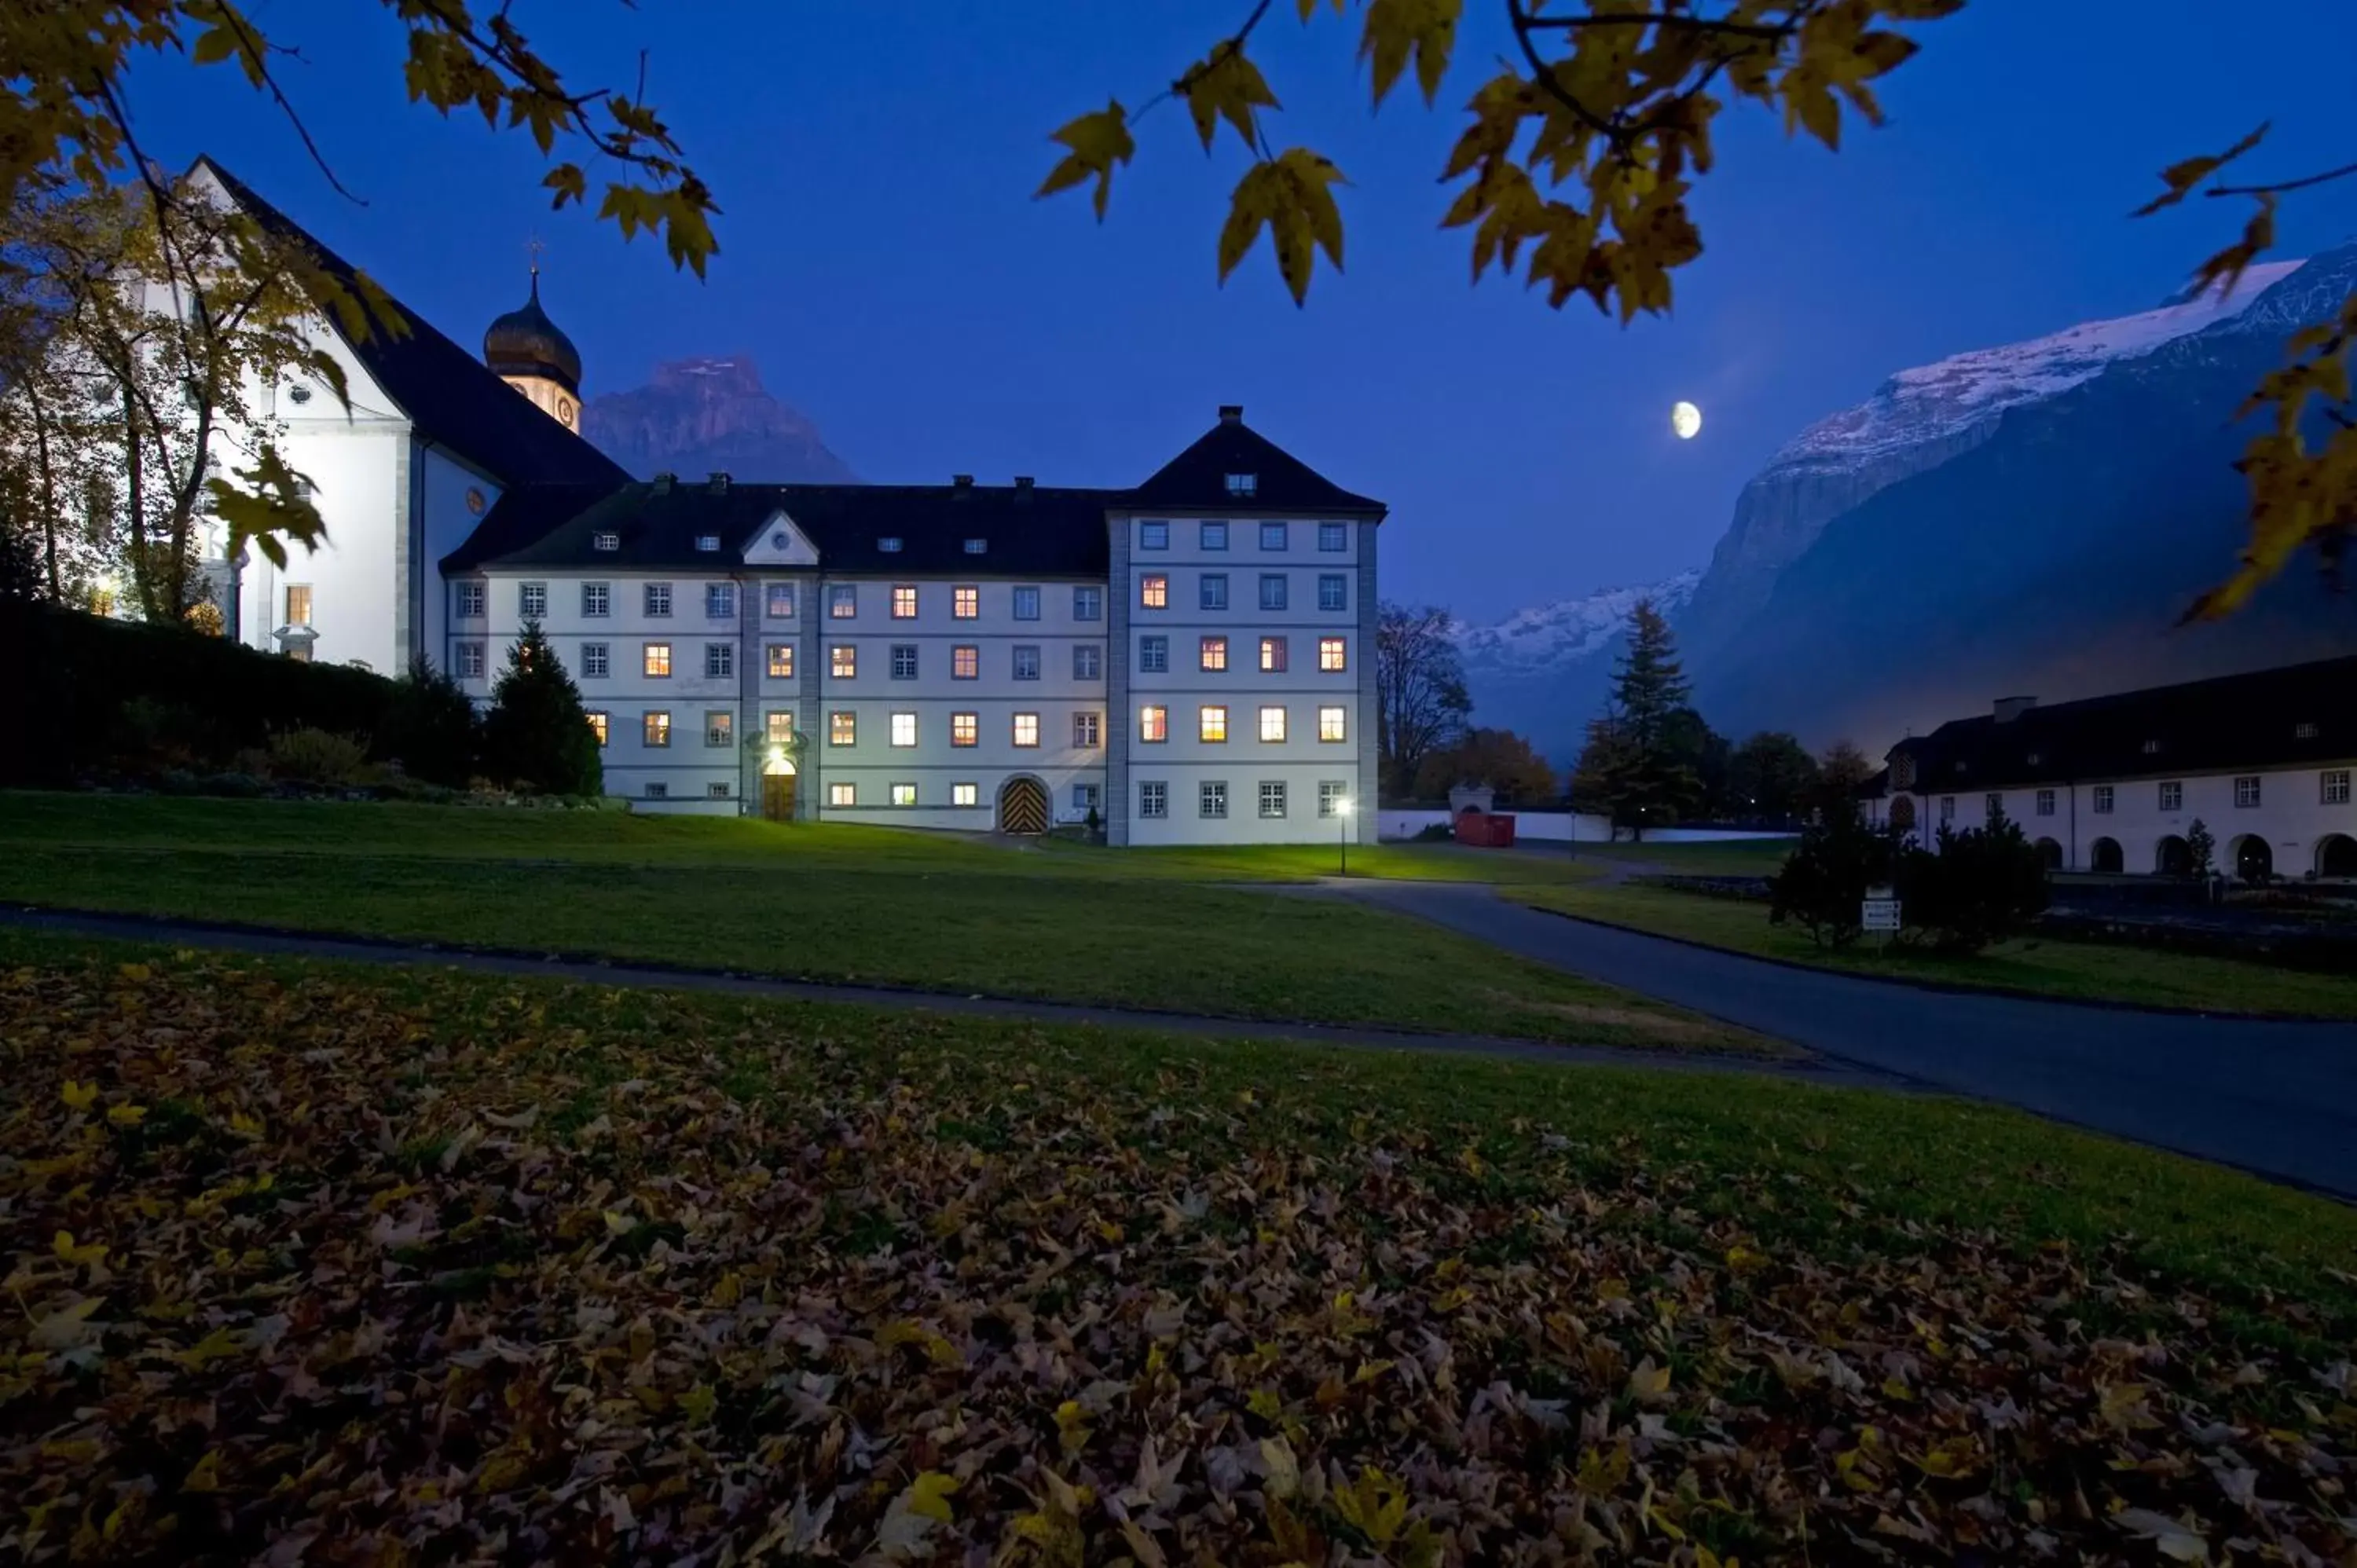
<point x="1243" y="484"/>
<point x="2303" y="732"/>
<point x="889" y="544"/>
<point x="976" y="546"/>
<point x="2152" y="749"/>
<point x="707" y="543"/>
<point x="2035" y="759"/>
<point x="605" y="542"/>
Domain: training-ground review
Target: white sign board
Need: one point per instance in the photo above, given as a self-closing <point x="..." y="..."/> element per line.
<point x="1879" y="914"/>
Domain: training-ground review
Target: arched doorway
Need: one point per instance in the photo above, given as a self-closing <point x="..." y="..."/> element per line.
<point x="778" y="779"/>
<point x="1023" y="806"/>
<point x="2103" y="856"/>
<point x="2336" y="856"/>
<point x="1902" y="812"/>
<point x="2255" y="860"/>
<point x="2174" y="858"/>
<point x="2049" y="854"/>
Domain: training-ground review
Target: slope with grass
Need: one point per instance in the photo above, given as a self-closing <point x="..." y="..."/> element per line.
<point x="432" y="1267"/>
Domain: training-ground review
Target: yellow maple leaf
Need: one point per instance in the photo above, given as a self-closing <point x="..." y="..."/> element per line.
<point x="78" y="1096"/>
<point x="1096" y="141"/>
<point x="87" y="1255"/>
<point x="929" y="1495"/>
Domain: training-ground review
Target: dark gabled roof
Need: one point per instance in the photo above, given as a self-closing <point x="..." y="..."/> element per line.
<point x="1197" y="480"/>
<point x="1028" y="533"/>
<point x="453" y="398"/>
<point x="2232" y="722"/>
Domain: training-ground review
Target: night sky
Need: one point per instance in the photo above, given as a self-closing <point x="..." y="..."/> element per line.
<point x="883" y="259"/>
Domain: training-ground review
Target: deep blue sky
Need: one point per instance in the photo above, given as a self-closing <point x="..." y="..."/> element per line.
<point x="884" y="261"/>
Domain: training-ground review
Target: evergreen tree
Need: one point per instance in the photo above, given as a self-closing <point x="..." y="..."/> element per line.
<point x="430" y="727"/>
<point x="537" y="736"/>
<point x="1638" y="767"/>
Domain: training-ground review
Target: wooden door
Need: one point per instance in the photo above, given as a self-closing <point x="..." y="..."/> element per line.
<point x="778" y="797"/>
<point x="1023" y="807"/>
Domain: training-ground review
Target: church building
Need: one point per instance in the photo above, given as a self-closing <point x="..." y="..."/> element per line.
<point x="1187" y="661"/>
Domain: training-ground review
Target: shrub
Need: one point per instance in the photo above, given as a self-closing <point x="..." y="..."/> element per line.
<point x="1825" y="880"/>
<point x="430" y="727"/>
<point x="318" y="757"/>
<point x="1975" y="888"/>
<point x="238" y="786"/>
<point x="537" y="736"/>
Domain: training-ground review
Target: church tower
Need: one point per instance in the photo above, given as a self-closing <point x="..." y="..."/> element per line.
<point x="525" y="348"/>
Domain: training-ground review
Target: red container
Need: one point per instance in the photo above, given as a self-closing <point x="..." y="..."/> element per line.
<point x="1484" y="830"/>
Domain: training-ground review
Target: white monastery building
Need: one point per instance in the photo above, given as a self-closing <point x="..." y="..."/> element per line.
<point x="2264" y="761"/>
<point x="1191" y="659"/>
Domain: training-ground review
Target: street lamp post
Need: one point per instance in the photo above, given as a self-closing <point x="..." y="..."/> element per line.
<point x="1342" y="815"/>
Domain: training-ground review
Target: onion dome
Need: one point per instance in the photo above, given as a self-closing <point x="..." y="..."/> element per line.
<point x="525" y="342"/>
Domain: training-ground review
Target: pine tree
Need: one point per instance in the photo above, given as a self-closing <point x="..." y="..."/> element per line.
<point x="1637" y="768"/>
<point x="537" y="734"/>
<point x="430" y="727"/>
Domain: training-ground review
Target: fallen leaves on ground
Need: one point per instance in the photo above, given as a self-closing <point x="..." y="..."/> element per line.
<point x="310" y="1267"/>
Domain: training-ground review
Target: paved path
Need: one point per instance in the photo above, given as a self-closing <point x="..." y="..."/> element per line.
<point x="362" y="950"/>
<point x="2279" y="1098"/>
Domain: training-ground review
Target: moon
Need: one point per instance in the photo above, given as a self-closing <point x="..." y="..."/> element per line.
<point x="1687" y="420"/>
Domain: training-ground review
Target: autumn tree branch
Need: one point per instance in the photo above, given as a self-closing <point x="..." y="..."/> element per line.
<point x="2303" y="183"/>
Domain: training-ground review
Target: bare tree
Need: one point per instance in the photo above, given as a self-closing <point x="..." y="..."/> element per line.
<point x="1421" y="702"/>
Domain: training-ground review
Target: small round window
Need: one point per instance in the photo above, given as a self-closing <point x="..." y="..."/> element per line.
<point x="299" y="393"/>
<point x="565" y="412"/>
<point x="778" y="540"/>
<point x="475" y="503"/>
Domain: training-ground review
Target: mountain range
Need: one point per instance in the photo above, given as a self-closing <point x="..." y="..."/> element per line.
<point x="704" y="415"/>
<point x="2028" y="519"/>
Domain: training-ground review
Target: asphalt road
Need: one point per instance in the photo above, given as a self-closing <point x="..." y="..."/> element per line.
<point x="2279" y="1098"/>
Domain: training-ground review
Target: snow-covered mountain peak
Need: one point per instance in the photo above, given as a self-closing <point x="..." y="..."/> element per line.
<point x="1546" y="635"/>
<point x="1935" y="402"/>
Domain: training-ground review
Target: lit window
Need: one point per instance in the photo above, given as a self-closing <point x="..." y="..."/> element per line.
<point x="1272" y="536"/>
<point x="1333" y="723"/>
<point x="1215" y="536"/>
<point x="1333" y="537"/>
<point x="1271" y="724"/>
<point x="904" y="661"/>
<point x="1153" y="655"/>
<point x="1212" y="798"/>
<point x="1154" y="536"/>
<point x="965" y="729"/>
<point x="656" y="660"/>
<point x="1272" y="798"/>
<point x="843" y="601"/>
<point x="2172" y="797"/>
<point x="717" y="789"/>
<point x="1152" y="723"/>
<point x="655" y="728"/>
<point x="1331" y="793"/>
<point x="780" y="601"/>
<point x="1088" y="730"/>
<point x="1027" y="604"/>
<point x="2335" y="784"/>
<point x="1088" y="662"/>
<point x="532" y="602"/>
<point x="904" y="794"/>
<point x="2103" y="800"/>
<point x="593" y="661"/>
<point x="597" y="724"/>
<point x="843" y="794"/>
<point x="2046" y="802"/>
<point x="1088" y="603"/>
<point x="1026" y="662"/>
<point x="904" y="729"/>
<point x="657" y="789"/>
<point x="843" y="661"/>
<point x="656" y="599"/>
<point x="2246" y="790"/>
<point x="1333" y="591"/>
<point x="719" y="601"/>
<point x="1212" y="594"/>
<point x="470" y="601"/>
<point x="1272" y="590"/>
<point x="778" y="726"/>
<point x="977" y="547"/>
<point x="719" y="728"/>
<point x="965" y="794"/>
<point x="470" y="660"/>
<point x="1242" y="485"/>
<point x="1212" y="723"/>
<point x="843" y="728"/>
<point x="597" y="599"/>
<point x="965" y="662"/>
<point x="707" y="543"/>
<point x="720" y="661"/>
<point x="889" y="544"/>
<point x="1214" y="655"/>
<point x="1026" y="729"/>
<point x="1154" y="591"/>
<point x="1333" y="653"/>
<point x="606" y="542"/>
<point x="781" y="662"/>
<point x="1153" y="800"/>
<point x="966" y="604"/>
<point x="904" y="602"/>
<point x="1271" y="655"/>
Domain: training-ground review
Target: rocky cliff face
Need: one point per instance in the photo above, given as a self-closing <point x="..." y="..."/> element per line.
<point x="1542" y="672"/>
<point x="700" y="416"/>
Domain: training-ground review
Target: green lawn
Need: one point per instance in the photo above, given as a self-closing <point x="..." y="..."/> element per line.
<point x="300" y="1248"/>
<point x="1730" y="857"/>
<point x="849" y="904"/>
<point x="2086" y="970"/>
